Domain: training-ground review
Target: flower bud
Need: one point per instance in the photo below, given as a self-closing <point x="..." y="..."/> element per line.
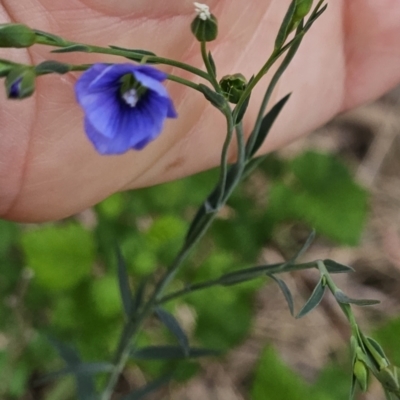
<point x="205" y="25"/>
<point x="302" y="8"/>
<point x="233" y="86"/>
<point x="20" y="82"/>
<point x="361" y="373"/>
<point x="16" y="35"/>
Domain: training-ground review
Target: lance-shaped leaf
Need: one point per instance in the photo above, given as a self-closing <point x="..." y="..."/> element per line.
<point x="315" y="15"/>
<point x="265" y="127"/>
<point x="246" y="274"/>
<point x="243" y="107"/>
<point x="377" y="347"/>
<point x="139" y="295"/>
<point x="149" y="388"/>
<point x="285" y="26"/>
<point x="314" y="300"/>
<point x="49" y="38"/>
<point x="170" y="353"/>
<point x="84" y="383"/>
<point x="173" y="325"/>
<point x="335" y="268"/>
<point x="305" y="247"/>
<point x="73" y="48"/>
<point x="135" y="51"/>
<point x="286" y="292"/>
<point x="124" y="288"/>
<point x="344" y="299"/>
<point x="216" y="99"/>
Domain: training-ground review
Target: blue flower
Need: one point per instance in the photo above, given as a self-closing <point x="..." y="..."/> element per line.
<point x="125" y="106"/>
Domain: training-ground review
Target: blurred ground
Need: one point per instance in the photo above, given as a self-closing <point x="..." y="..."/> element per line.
<point x="369" y="140"/>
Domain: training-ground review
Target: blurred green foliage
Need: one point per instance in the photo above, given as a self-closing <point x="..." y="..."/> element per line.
<point x="60" y="279"/>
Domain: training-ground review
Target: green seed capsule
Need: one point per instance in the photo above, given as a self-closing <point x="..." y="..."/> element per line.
<point x="233" y="86"/>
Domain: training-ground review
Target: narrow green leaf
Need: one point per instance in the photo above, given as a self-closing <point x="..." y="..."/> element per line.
<point x="49" y="38"/>
<point x="139" y="295"/>
<point x="342" y="298"/>
<point x="136" y="51"/>
<point x="286" y="292"/>
<point x="67" y="353"/>
<point x="149" y="388"/>
<point x="216" y="99"/>
<point x="123" y="281"/>
<point x="315" y="16"/>
<point x="73" y="48"/>
<point x="212" y="63"/>
<point x="170" y="353"/>
<point x="284" y="28"/>
<point x="335" y="268"/>
<point x="314" y="300"/>
<point x="305" y="246"/>
<point x="84" y="384"/>
<point x="173" y="325"/>
<point x="266" y="125"/>
<point x="52" y="66"/>
<point x="242" y="110"/>
<point x="246" y="274"/>
<point x="377" y="347"/>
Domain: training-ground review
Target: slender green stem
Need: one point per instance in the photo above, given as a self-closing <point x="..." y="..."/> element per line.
<point x="271" y="60"/>
<point x="188" y="289"/>
<point x="275" y="79"/>
<point x="224" y="154"/>
<point x="126" y="53"/>
<point x="209" y="68"/>
<point x="183" y="81"/>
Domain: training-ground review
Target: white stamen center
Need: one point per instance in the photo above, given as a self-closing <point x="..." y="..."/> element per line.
<point x="203" y="11"/>
<point x="131" y="98"/>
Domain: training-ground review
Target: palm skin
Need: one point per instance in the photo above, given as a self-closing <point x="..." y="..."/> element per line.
<point x="48" y="168"/>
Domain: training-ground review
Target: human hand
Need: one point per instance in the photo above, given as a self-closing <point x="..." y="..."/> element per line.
<point x="48" y="168"/>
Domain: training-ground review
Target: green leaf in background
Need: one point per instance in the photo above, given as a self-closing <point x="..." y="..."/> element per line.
<point x="274" y="380"/>
<point x="388" y="337"/>
<point x="60" y="255"/>
<point x="233" y="304"/>
<point x="322" y="193"/>
<point x="106" y="296"/>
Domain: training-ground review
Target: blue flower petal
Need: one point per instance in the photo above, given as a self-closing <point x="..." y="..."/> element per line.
<point x="104" y="145"/>
<point x="151" y="72"/>
<point x="102" y="109"/>
<point x="111" y="124"/>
